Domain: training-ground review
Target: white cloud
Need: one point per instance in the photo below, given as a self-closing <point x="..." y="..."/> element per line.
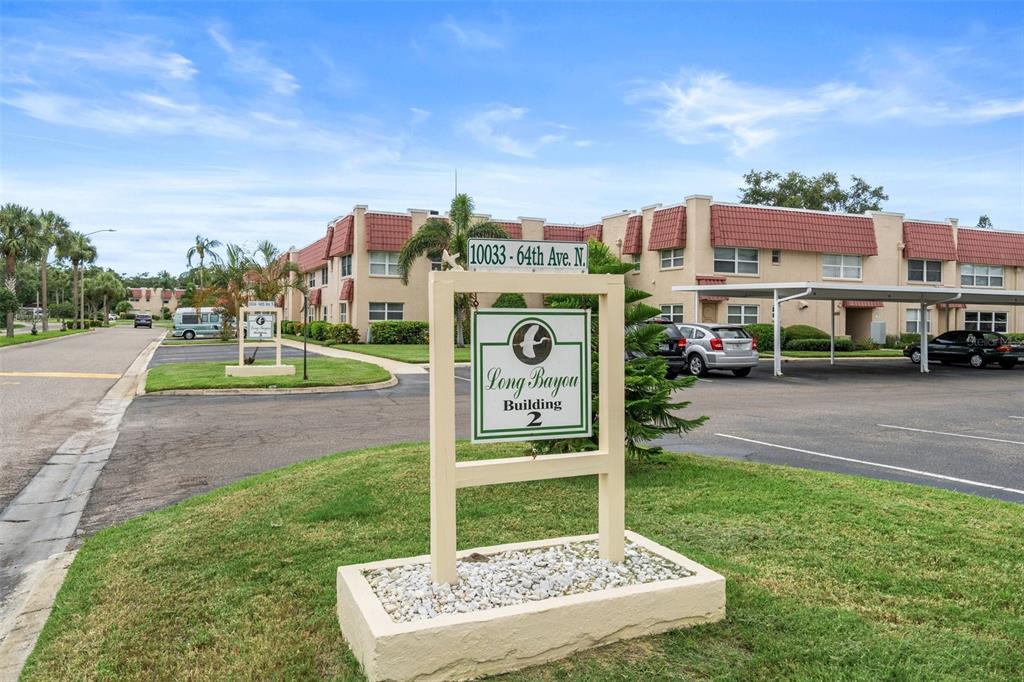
<point x="490" y="128"/>
<point x="471" y="37"/>
<point x="129" y="54"/>
<point x="246" y="59"/>
<point x="701" y="107"/>
<point x="418" y="116"/>
<point x="583" y="143"/>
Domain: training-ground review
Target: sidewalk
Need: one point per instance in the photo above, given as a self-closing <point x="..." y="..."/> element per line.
<point x="393" y="366"/>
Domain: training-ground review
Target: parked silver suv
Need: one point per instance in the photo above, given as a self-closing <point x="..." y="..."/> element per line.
<point x="719" y="346"/>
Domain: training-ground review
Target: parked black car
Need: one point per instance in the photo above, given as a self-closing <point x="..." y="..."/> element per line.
<point x="973" y="348"/>
<point x="672" y="347"/>
<point x="144" y="320"/>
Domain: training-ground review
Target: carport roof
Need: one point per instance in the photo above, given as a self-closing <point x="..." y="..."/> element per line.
<point x="833" y="291"/>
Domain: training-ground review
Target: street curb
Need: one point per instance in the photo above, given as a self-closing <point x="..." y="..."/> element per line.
<point x="838" y="359"/>
<point x="43" y="342"/>
<point x="393" y="381"/>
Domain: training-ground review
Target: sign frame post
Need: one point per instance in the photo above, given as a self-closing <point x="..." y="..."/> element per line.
<point x="243" y="321"/>
<point x="608" y="462"/>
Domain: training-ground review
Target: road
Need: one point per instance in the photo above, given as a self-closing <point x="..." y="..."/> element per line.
<point x="39" y="412"/>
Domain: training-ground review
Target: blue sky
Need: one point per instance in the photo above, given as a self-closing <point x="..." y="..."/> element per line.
<point x="246" y="121"/>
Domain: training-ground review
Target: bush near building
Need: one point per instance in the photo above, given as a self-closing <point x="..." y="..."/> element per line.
<point x="804" y="331"/>
<point x="400" y="332"/>
<point x="765" y="336"/>
<point x="842" y="345"/>
<point x="510" y="301"/>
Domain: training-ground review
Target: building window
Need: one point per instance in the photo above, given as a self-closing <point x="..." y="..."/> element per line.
<point x="671" y="258"/>
<point x="673" y="312"/>
<point x="776" y="257"/>
<point x="312" y="279"/>
<point x="914" y="322"/>
<point x="386" y="311"/>
<point x="343" y="311"/>
<point x="384" y="263"/>
<point x="323" y="315"/>
<point x="323" y="275"/>
<point x="978" y="321"/>
<point x="924" y="270"/>
<point x="435" y="262"/>
<point x="981" y="275"/>
<point x="838" y="266"/>
<point x="636" y="262"/>
<point x="346" y="265"/>
<point x="742" y="314"/>
<point x="736" y="261"/>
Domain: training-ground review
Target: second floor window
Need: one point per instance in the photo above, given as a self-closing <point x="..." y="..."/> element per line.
<point x="839" y="266"/>
<point x="312" y="279"/>
<point x="924" y="270"/>
<point x="323" y="275"/>
<point x="981" y="275"/>
<point x="636" y="262"/>
<point x="671" y="258"/>
<point x="384" y="263"/>
<point x="435" y="262"/>
<point x="346" y="265"/>
<point x="736" y="261"/>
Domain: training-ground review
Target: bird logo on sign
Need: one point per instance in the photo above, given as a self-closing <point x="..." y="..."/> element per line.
<point x="531" y="343"/>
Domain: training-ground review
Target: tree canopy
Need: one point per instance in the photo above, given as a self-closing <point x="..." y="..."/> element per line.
<point x="820" y="193"/>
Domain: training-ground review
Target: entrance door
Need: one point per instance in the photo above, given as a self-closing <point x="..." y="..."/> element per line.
<point x="858" y="323"/>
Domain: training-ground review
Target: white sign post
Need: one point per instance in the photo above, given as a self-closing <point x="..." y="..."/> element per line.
<point x="255" y="324"/>
<point x="531" y="374"/>
<point x="520" y="255"/>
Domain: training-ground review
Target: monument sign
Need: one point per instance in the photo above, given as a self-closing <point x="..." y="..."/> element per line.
<point x="259" y="321"/>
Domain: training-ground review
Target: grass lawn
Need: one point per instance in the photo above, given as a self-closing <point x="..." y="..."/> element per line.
<point x="829" y="576"/>
<point x="876" y="353"/>
<point x="29" y="338"/>
<point x="418" y="353"/>
<point x="322" y="372"/>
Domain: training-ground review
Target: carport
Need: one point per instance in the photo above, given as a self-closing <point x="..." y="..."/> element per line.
<point x="923" y="296"/>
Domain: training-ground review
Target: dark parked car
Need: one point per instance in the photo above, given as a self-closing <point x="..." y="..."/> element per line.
<point x="672" y="347"/>
<point x="144" y="321"/>
<point x="973" y="348"/>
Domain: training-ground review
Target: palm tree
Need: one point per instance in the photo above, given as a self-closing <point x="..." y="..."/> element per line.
<point x="76" y="248"/>
<point x="19" y="238"/>
<point x="52" y="227"/>
<point x="452" y="235"/>
<point x="203" y="248"/>
<point x="228" y="282"/>
<point x="269" y="274"/>
<point x="105" y="286"/>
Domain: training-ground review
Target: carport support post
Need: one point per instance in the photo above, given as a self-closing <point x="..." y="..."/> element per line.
<point x="832" y="333"/>
<point x="922" y="329"/>
<point x="776" y="333"/>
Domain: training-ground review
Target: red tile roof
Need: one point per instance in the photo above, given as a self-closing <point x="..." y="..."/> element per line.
<point x="312" y="256"/>
<point x="136" y="293"/>
<point x="167" y="294"/>
<point x="593" y="232"/>
<point x="712" y="279"/>
<point x="668" y="229"/>
<point x="347" y="286"/>
<point x="387" y="231"/>
<point x="862" y="304"/>
<point x="314" y="296"/>
<point x="564" y="233"/>
<point x="341" y="242"/>
<point x="928" y="240"/>
<point x="632" y="243"/>
<point x="986" y="247"/>
<point x="149" y="294"/>
<point x="942" y="306"/>
<point x="792" y="230"/>
<point x="515" y="230"/>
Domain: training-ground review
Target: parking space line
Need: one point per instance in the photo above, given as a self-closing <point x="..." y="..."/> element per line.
<point x="1015" y="417"/>
<point x="463" y="378"/>
<point x="916" y="472"/>
<point x="955" y="435"/>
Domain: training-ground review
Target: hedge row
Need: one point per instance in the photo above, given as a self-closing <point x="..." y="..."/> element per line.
<point x="399" y="332"/>
<point x="323" y="331"/>
<point x="820" y="344"/>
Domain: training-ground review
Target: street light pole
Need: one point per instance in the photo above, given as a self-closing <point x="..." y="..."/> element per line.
<point x="305" y="332"/>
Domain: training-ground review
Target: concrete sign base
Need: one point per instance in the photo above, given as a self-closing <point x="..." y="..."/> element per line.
<point x="259" y="370"/>
<point x="469" y="645"/>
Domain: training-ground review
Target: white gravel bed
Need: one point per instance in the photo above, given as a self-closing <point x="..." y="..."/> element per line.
<point x="514" y="577"/>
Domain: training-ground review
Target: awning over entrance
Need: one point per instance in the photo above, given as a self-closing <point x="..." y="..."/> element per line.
<point x="853" y="296"/>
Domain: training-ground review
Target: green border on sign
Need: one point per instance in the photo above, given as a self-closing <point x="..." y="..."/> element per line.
<point x="583" y="429"/>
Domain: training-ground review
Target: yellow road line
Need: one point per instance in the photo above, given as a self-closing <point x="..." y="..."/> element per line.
<point x="62" y="375"/>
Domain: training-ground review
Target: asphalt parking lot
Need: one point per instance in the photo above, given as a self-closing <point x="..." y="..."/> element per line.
<point x="955" y="428"/>
<point x="219" y="352"/>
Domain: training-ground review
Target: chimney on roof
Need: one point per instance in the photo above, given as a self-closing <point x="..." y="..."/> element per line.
<point x="955" y="224"/>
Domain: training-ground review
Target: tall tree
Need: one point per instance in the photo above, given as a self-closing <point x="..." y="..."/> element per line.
<point x="104" y="287"/>
<point x="452" y="235"/>
<point x="52" y="227"/>
<point x="269" y="274"/>
<point x="984" y="222"/>
<point x="203" y="249"/>
<point x="76" y="248"/>
<point x="820" y="193"/>
<point x="227" y="282"/>
<point x="19" y="239"/>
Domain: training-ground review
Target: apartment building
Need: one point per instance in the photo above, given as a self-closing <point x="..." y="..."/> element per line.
<point x="352" y="271"/>
<point x="153" y="301"/>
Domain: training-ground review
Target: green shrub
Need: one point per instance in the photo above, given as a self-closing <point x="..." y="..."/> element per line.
<point x="911" y="339"/>
<point x="893" y="341"/>
<point x="818" y="344"/>
<point x="1014" y="336"/>
<point x="319" y="330"/>
<point x="287" y="327"/>
<point x="343" y="333"/>
<point x="764" y="335"/>
<point x="510" y="301"/>
<point x="804" y="331"/>
<point x="62" y="311"/>
<point x="864" y="344"/>
<point x="399" y="332"/>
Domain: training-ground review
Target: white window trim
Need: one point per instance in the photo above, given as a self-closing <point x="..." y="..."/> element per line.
<point x="387" y="311"/>
<point x="342" y="311"/>
<point x="736" y="261"/>
<point x="671" y="258"/>
<point x="842" y="267"/>
<point x="743" y="314"/>
<point x="924" y="271"/>
<point x="916" y="322"/>
<point x="387" y="264"/>
<point x="1002" y="276"/>
<point x="671" y="315"/>
<point x="341" y="265"/>
<point x="636" y="263"/>
<point x="991" y="322"/>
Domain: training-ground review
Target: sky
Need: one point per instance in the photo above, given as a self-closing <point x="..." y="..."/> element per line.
<point x="250" y="121"/>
